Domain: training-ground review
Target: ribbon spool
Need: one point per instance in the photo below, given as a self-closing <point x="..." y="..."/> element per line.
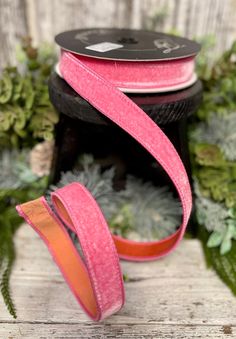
<point x="134" y="61"/>
<point x="97" y="64"/>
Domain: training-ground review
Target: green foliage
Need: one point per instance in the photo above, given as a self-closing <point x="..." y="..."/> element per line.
<point x="215" y="174"/>
<point x="97" y="182"/>
<point x="122" y="222"/>
<point x="219" y="86"/>
<point x="151" y="212"/>
<point x="213" y="155"/>
<point x="220" y="131"/>
<point x="26" y="114"/>
<point x="206" y="56"/>
<point x="224" y="265"/>
<point x="218" y="184"/>
<point x="214" y="130"/>
<point x="208" y="155"/>
<point x="217" y="219"/>
<point x="17" y="184"/>
<point x="9" y="222"/>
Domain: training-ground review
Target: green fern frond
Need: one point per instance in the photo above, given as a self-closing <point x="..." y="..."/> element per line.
<point x="9" y="222"/>
<point x="5" y="288"/>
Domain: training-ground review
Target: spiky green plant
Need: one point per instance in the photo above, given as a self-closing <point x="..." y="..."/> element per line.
<point x="141" y="211"/>
<point x="150" y="212"/>
<point x="97" y="182"/>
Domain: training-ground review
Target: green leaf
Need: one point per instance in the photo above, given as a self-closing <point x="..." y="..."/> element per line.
<point x="43" y="122"/>
<point x="18" y="86"/>
<point x="209" y="155"/>
<point x="214" y="182"/>
<point x="215" y="239"/>
<point x="6" y="88"/>
<point x="225" y="247"/>
<point x="232" y="213"/>
<point x="20" y="118"/>
<point x="224" y="265"/>
<point x="5" y="121"/>
<point x="29" y="100"/>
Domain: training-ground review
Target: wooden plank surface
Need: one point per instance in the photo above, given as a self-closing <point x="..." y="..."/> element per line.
<point x="12" y="26"/>
<point x="176" y="297"/>
<point x="194" y="18"/>
<point x="43" y="19"/>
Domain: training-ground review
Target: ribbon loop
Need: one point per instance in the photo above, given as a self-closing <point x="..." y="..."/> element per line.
<point x="95" y="279"/>
<point x="115" y="105"/>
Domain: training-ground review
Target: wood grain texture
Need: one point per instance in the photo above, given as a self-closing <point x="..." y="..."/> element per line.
<point x="127" y="331"/>
<point x="176" y="297"/>
<point x="43" y="19"/>
<point x="194" y="18"/>
<point x="12" y="26"/>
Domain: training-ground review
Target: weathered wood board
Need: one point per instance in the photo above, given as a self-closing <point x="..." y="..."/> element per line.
<point x="176" y="297"/>
<point x="43" y="19"/>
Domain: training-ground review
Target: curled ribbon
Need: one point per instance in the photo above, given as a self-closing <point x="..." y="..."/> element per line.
<point x="96" y="279"/>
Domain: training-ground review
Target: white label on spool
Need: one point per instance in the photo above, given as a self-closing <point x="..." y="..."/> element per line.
<point x="104" y="47"/>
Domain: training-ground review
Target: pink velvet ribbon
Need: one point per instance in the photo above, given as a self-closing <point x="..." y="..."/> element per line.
<point x="95" y="277"/>
<point x="143" y="76"/>
<point x="115" y="105"/>
<point x="79" y="210"/>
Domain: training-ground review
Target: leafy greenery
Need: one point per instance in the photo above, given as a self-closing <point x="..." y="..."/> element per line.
<point x="224" y="265"/>
<point x="212" y="146"/>
<point x="219" y="86"/>
<point x="217" y="219"/>
<point x="220" y="131"/>
<point x="148" y="212"/>
<point x="17" y="184"/>
<point x="213" y="157"/>
<point x="26" y="114"/>
<point x="206" y="57"/>
<point x="9" y="222"/>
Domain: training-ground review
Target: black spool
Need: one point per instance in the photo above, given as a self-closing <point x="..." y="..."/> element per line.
<point x="83" y="129"/>
<point x="126" y="44"/>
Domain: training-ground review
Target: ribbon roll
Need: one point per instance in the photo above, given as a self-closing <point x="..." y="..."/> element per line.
<point x="96" y="281"/>
<point x="141" y="76"/>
